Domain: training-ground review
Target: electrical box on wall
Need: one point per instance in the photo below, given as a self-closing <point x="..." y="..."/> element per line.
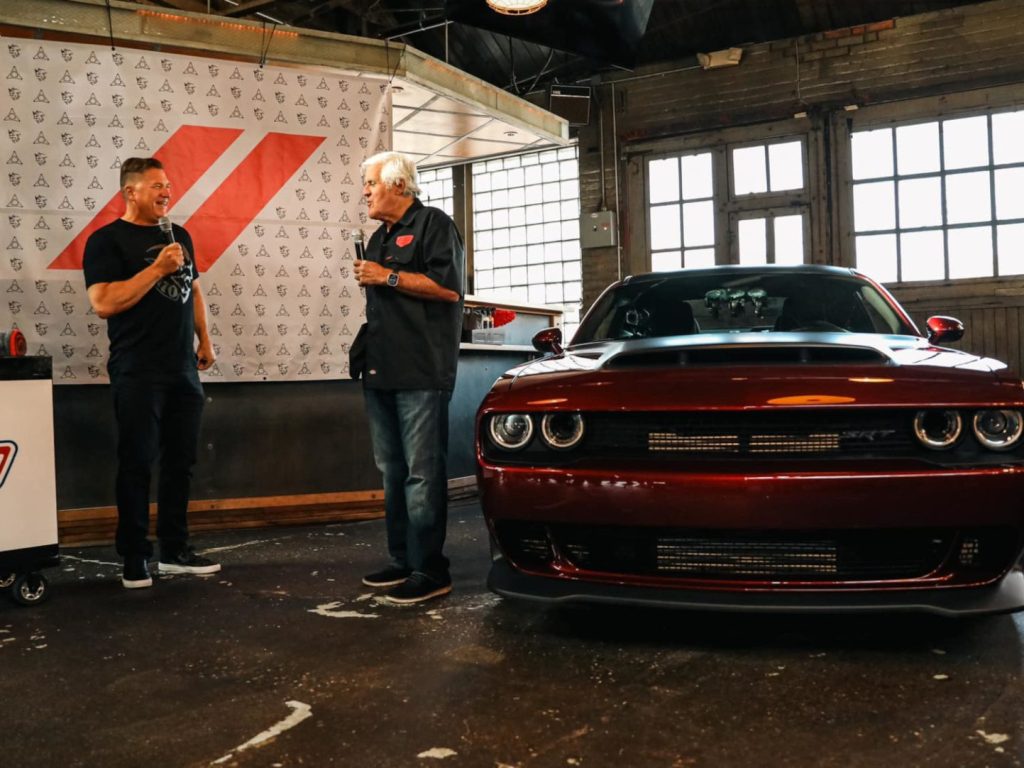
<point x="597" y="229"/>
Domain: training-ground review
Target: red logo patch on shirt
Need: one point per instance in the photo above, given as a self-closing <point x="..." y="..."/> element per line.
<point x="403" y="240"/>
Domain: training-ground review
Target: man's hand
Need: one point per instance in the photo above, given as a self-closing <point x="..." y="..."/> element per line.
<point x="370" y="273"/>
<point x="170" y="259"/>
<point x="205" y="355"/>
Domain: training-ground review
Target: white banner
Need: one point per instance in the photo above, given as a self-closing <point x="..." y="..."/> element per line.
<point x="264" y="168"/>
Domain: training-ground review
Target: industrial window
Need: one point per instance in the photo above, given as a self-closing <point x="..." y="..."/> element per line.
<point x="526" y="233"/>
<point x="436" y="189"/>
<point x="745" y="204"/>
<point x="940" y="200"/>
<point x="682" y="210"/>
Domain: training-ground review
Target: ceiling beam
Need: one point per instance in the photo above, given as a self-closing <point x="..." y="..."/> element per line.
<point x="244" y="9"/>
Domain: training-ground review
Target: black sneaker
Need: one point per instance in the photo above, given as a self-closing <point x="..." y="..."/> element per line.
<point x="418" y="588"/>
<point x="187" y="561"/>
<point x="136" y="573"/>
<point x="387" y="577"/>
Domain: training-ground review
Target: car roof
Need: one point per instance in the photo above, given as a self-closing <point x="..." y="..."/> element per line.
<point x="737" y="270"/>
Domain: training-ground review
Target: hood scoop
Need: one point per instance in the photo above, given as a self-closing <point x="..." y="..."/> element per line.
<point x="749" y="355"/>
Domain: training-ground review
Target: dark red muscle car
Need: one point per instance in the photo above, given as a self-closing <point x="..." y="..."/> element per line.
<point x="756" y="438"/>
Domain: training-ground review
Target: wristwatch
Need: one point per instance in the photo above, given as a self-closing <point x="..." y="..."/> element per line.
<point x="393" y="279"/>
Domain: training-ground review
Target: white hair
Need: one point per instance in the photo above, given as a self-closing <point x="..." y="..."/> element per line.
<point x="395" y="167"/>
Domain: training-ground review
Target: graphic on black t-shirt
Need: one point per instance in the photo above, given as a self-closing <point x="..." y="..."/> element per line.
<point x="176" y="286"/>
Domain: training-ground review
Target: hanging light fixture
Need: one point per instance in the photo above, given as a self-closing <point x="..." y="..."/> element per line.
<point x="516" y="7"/>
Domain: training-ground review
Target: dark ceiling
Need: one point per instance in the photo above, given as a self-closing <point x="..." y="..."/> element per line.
<point x="675" y="29"/>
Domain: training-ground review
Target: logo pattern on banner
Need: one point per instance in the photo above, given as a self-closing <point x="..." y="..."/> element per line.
<point x="8" y="450"/>
<point x="264" y="167"/>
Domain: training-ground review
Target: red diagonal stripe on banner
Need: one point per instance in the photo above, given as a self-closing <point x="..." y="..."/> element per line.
<point x="186" y="155"/>
<point x="236" y="202"/>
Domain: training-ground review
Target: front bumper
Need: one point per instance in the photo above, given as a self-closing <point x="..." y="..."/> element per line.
<point x="1005" y="596"/>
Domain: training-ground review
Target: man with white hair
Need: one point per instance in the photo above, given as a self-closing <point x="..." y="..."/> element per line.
<point x="413" y="272"/>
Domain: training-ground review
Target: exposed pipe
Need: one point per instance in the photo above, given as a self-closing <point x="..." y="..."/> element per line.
<point x="618" y="213"/>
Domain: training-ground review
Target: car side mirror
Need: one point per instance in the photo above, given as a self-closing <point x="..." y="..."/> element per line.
<point x="548" y="341"/>
<point x="944" y="329"/>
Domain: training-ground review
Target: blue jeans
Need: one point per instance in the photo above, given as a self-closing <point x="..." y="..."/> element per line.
<point x="409" y="430"/>
<point x="157" y="418"/>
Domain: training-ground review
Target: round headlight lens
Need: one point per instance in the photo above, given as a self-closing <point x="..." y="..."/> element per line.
<point x="998" y="430"/>
<point x="511" y="431"/>
<point x="938" y="430"/>
<point x="562" y="431"/>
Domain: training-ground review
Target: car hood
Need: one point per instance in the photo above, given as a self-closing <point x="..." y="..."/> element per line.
<point x="760" y="370"/>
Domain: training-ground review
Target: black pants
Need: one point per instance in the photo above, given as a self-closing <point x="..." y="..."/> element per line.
<point x="157" y="416"/>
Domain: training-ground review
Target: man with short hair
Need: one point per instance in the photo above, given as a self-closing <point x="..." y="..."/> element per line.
<point x="414" y="277"/>
<point x="143" y="281"/>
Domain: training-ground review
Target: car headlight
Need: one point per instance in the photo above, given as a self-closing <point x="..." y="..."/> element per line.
<point x="562" y="431"/>
<point x="998" y="430"/>
<point x="938" y="430"/>
<point x="511" y="431"/>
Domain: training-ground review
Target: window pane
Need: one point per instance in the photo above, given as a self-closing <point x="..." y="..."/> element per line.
<point x="921" y="203"/>
<point x="753" y="241"/>
<point x="922" y="256"/>
<point x="665" y="227"/>
<point x="750" y="173"/>
<point x="698" y="223"/>
<point x="1010" y="193"/>
<point x="917" y="148"/>
<point x="1011" y="249"/>
<point x="789" y="239"/>
<point x="970" y="252"/>
<point x="876" y="257"/>
<point x="697" y="176"/>
<point x="874" y="206"/>
<point x="786" y="166"/>
<point x="483" y="259"/>
<point x="1007" y="128"/>
<point x="968" y="198"/>
<point x="965" y="142"/>
<point x="872" y="154"/>
<point x="666" y="261"/>
<point x="699" y="258"/>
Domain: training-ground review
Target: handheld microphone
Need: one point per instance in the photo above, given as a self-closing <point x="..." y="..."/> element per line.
<point x="165" y="226"/>
<point x="357" y="239"/>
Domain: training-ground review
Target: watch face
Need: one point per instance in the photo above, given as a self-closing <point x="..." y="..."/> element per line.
<point x="393" y="279"/>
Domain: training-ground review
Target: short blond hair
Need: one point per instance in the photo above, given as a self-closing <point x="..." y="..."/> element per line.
<point x="395" y="167"/>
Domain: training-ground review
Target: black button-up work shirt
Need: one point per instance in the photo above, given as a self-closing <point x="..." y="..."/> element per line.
<point x="413" y="343"/>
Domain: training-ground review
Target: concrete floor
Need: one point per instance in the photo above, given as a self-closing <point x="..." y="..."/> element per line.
<point x="284" y="659"/>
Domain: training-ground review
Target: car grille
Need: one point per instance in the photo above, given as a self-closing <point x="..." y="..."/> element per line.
<point x="805" y="433"/>
<point x="791" y="556"/>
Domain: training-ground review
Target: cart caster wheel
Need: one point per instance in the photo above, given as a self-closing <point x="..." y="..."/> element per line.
<point x="6" y="579"/>
<point x="30" y="589"/>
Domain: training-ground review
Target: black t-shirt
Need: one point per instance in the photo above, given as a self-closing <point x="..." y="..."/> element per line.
<point x="157" y="334"/>
<point x="413" y="343"/>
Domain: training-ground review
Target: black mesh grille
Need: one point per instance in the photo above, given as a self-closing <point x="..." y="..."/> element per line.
<point x="807" y="433"/>
<point x="830" y="556"/>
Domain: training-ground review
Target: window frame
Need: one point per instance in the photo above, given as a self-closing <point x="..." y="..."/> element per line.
<point x="729" y="206"/>
<point x="932" y="109"/>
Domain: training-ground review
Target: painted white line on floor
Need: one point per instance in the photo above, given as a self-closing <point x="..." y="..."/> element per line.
<point x="330" y="611"/>
<point x="438" y="753"/>
<point x="993" y="738"/>
<point x="300" y="712"/>
<point x="84" y="560"/>
<point x="235" y="546"/>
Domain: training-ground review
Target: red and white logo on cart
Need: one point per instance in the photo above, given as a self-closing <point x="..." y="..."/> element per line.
<point x="8" y="450"/>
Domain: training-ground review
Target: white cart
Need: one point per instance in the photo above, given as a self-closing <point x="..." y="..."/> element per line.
<point x="28" y="485"/>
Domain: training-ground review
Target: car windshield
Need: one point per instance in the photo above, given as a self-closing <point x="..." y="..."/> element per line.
<point x="727" y="301"/>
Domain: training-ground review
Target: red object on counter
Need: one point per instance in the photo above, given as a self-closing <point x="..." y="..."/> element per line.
<point x="503" y="317"/>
